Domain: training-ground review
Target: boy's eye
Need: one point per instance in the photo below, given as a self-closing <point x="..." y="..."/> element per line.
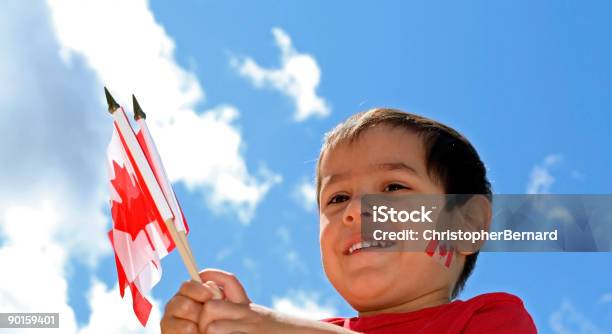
<point x="394" y="187"/>
<point x="338" y="199"/>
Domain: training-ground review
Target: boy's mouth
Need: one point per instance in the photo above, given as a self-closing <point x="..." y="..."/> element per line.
<point x="368" y="244"/>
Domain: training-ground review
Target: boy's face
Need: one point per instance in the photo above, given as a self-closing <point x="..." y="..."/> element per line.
<point x="382" y="159"/>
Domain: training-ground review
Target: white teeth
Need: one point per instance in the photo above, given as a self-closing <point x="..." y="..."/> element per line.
<point x="366" y="244"/>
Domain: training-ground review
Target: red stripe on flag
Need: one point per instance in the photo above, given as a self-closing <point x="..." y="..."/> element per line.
<point x="147" y="152"/>
<point x="159" y="176"/>
<point x="142" y="307"/>
<point x="123" y="282"/>
<point x="146" y="193"/>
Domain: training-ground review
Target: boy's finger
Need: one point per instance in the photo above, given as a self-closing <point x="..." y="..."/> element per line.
<point x="184" y="308"/>
<point x="232" y="288"/>
<point x="218" y="310"/>
<point x="226" y="327"/>
<point x="172" y="325"/>
<point x="197" y="291"/>
<point x="217" y="293"/>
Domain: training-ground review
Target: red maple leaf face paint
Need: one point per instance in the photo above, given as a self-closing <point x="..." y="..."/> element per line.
<point x="444" y="252"/>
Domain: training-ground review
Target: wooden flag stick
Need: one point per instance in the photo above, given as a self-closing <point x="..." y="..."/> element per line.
<point x="184" y="250"/>
<point x="183" y="236"/>
<point x="140" y="118"/>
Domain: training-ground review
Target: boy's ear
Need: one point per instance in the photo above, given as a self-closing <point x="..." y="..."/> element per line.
<point x="476" y="215"/>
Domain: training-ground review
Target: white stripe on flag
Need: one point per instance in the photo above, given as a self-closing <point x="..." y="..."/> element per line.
<point x="161" y="171"/>
<point x="148" y="277"/>
<point x="133" y="255"/>
<point x="142" y="164"/>
<point x="115" y="154"/>
<point x="155" y="235"/>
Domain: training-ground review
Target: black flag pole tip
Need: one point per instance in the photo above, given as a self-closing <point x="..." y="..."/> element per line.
<point x="112" y="104"/>
<point x="138" y="113"/>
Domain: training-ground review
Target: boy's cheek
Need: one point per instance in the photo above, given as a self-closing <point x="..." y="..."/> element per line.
<point x="429" y="267"/>
<point x="323" y="223"/>
<point x="326" y="243"/>
<point x="327" y="232"/>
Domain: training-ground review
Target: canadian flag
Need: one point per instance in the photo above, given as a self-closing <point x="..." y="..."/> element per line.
<point x="142" y="202"/>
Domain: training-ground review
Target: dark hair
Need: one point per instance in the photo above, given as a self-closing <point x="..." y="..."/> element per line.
<point x="450" y="159"/>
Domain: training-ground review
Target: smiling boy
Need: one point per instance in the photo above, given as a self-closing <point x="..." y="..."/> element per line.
<point x="375" y="152"/>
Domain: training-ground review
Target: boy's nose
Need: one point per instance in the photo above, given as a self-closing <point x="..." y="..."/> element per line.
<point x="352" y="213"/>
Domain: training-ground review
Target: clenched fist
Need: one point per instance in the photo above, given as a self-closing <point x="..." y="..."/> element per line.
<point x="184" y="311"/>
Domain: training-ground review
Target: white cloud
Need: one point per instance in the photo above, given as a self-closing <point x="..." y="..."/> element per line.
<point x="33" y="263"/>
<point x="53" y="178"/>
<point x="578" y="175"/>
<point x="294" y="261"/>
<point x="112" y="315"/>
<point x="54" y="134"/>
<point x="249" y="264"/>
<point x="36" y="263"/>
<point x="131" y="53"/>
<point x="541" y="179"/>
<point x="215" y="161"/>
<point x="298" y="77"/>
<point x="303" y="305"/>
<point x="284" y="234"/>
<point x="305" y="194"/>
<point x="291" y="257"/>
<point x="53" y="142"/>
<point x="606" y="298"/>
<point x="568" y="320"/>
<point x="224" y="253"/>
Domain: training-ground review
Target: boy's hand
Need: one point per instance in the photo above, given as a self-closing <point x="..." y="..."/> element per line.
<point x="232" y="288"/>
<point x="219" y="316"/>
<point x="184" y="309"/>
<point x="222" y="306"/>
<point x="224" y="317"/>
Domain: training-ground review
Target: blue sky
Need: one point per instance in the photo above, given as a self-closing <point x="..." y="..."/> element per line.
<point x="527" y="82"/>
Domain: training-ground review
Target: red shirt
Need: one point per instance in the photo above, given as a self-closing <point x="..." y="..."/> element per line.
<point x="488" y="313"/>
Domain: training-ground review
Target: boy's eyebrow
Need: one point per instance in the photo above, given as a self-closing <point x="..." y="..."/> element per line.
<point x="388" y="166"/>
<point x="396" y="166"/>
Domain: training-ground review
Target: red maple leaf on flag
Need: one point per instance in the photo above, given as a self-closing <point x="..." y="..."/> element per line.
<point x="134" y="214"/>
